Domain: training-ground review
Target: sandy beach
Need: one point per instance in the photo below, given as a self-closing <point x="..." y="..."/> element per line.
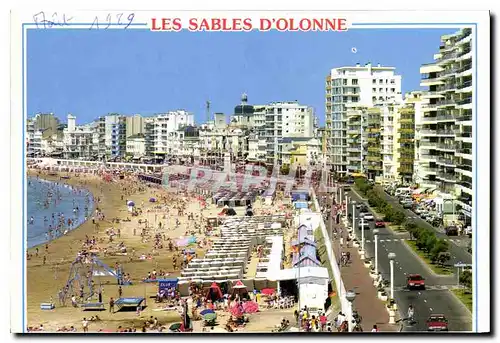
<point x="45" y="280"/>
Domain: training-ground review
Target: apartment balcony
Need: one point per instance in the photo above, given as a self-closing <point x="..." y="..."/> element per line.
<point x="447" y="103"/>
<point x="445" y="117"/>
<point x="374" y="148"/>
<point x="446" y="161"/>
<point x="465" y="101"/>
<point x="448" y="56"/>
<point x="445" y="133"/>
<point x="406" y="160"/>
<point x="354" y="132"/>
<point x="467" y="67"/>
<point x="376" y="167"/>
<point x="464" y="52"/>
<point x="405" y="130"/>
<point x="405" y="120"/>
<point x="373" y="139"/>
<point x="374" y="158"/>
<point x="424" y="144"/>
<point x="448" y="71"/>
<point x="406" y="171"/>
<point x="450" y="177"/>
<point x="428" y="171"/>
<point x="464" y="134"/>
<point x="354" y="149"/>
<point x="443" y="146"/>
<point x="466" y="33"/>
<point x="428" y="157"/>
<point x="465" y="84"/>
<point x="465" y="184"/>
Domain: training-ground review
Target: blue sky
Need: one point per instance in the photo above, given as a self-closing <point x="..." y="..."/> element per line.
<point x="91" y="73"/>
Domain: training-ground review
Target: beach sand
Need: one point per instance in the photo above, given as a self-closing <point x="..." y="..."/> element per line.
<point x="44" y="281"/>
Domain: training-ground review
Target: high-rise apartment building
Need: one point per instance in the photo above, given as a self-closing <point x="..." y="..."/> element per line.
<point x="351" y="87"/>
<point x="286" y="119"/>
<point x="134" y="125"/>
<point x="447" y="119"/>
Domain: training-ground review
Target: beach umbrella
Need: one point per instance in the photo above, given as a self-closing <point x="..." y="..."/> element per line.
<point x="130" y="203"/>
<point x="210" y="316"/>
<point x="152" y="200"/>
<point x="206" y="311"/>
<point x="175" y="327"/>
<point x="250" y="307"/>
<point x="267" y="291"/>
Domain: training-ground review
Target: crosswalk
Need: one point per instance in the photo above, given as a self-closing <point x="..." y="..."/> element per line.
<point x="427" y="288"/>
<point x="403" y="239"/>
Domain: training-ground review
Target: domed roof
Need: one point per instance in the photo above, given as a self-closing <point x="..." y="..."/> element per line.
<point x="244" y="109"/>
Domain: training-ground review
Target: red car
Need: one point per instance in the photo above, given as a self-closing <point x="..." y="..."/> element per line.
<point x="379" y="224"/>
<point x="437" y="322"/>
<point x="415" y="281"/>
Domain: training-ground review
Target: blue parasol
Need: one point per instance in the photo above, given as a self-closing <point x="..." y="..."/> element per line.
<point x="207" y="311"/>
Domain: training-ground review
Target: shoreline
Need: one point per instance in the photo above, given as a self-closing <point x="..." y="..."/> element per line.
<point x="53" y="179"/>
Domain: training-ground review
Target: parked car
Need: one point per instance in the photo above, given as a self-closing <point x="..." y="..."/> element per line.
<point x="437" y="322"/>
<point x="368" y="217"/>
<point x="414" y="281"/>
<point x="363" y="225"/>
<point x="451" y="230"/>
<point x="408" y="205"/>
<point x="379" y="224"/>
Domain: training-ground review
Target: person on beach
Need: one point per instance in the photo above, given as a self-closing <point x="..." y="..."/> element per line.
<point x="85" y="325"/>
<point x="111" y="305"/>
<point x="120" y="291"/>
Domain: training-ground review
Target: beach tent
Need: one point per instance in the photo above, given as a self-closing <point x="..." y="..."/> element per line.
<point x="214" y="292"/>
<point x="239" y="289"/>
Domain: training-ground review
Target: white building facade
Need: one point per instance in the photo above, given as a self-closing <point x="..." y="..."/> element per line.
<point x="348" y="87"/>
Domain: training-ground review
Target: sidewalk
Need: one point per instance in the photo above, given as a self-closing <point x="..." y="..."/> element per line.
<point x="356" y="277"/>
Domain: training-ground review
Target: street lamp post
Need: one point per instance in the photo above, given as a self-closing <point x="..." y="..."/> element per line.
<point x="375" y="234"/>
<point x="391" y="257"/>
<point x="354" y="218"/>
<point x="346" y="204"/>
<point x="362" y="237"/>
<point x="350" y="296"/>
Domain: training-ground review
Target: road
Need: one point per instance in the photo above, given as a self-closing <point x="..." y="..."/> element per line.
<point x="435" y="299"/>
<point x="458" y="246"/>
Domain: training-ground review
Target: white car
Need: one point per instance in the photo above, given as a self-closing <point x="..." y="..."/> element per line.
<point x="368" y="216"/>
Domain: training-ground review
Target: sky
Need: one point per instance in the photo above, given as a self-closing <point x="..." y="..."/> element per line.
<point x="90" y="73"/>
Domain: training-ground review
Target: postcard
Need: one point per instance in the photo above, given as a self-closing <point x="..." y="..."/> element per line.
<point x="250" y="171"/>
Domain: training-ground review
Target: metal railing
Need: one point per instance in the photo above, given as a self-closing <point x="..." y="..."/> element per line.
<point x="464" y="101"/>
<point x="447" y="161"/>
<point x="464" y="84"/>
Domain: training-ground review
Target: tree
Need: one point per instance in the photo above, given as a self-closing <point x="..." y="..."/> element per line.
<point x="443" y="257"/>
<point x="466" y="279"/>
<point x="398" y="218"/>
<point x="411" y="227"/>
<point x="440" y="246"/>
<point x="430" y="242"/>
<point x="422" y="239"/>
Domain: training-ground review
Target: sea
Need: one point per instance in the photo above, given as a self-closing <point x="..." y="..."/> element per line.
<point x="54" y="208"/>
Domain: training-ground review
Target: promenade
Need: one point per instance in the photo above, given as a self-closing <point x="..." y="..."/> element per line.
<point x="356" y="278"/>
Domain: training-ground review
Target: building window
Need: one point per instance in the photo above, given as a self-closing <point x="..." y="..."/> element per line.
<point x="374" y="81"/>
<point x="393" y="81"/>
<point x="344" y="82"/>
<point x="354" y="81"/>
<point x="374" y="90"/>
<point x="380" y="90"/>
<point x="380" y="81"/>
